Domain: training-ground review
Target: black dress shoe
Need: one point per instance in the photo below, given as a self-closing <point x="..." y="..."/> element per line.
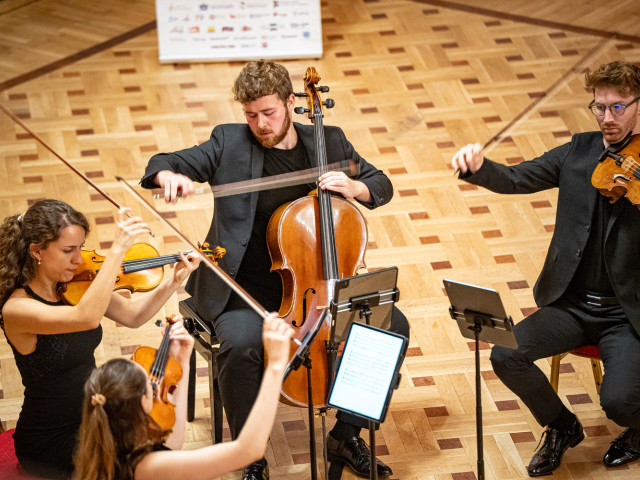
<point x="256" y="471"/>
<point x="354" y="453"/>
<point x="548" y="458"/>
<point x="624" y="449"/>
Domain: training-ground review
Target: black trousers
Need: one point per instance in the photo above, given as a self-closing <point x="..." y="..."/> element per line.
<point x="240" y="361"/>
<point x="562" y="326"/>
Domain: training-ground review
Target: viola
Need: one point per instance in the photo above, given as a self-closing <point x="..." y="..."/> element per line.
<point x="164" y="374"/>
<point x="618" y="171"/>
<point x="313" y="241"/>
<point x="141" y="270"/>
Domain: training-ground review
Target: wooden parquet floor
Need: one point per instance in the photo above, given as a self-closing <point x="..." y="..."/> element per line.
<point x="413" y="81"/>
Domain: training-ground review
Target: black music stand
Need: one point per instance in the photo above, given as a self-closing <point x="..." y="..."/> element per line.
<point x="481" y="316"/>
<point x="367" y="298"/>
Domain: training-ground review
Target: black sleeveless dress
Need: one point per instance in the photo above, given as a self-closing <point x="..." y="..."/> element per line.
<point x="53" y="376"/>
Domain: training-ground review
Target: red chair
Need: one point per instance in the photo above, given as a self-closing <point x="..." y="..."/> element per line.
<point x="588" y="351"/>
<point x="10" y="469"/>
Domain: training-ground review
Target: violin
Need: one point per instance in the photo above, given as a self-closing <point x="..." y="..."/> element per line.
<point x="164" y="374"/>
<point x="314" y="241"/>
<point x="141" y="270"/>
<point x="618" y="171"/>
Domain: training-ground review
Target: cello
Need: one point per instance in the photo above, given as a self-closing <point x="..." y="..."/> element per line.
<point x="314" y="241"/>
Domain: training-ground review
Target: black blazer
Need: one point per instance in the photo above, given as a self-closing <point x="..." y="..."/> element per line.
<point x="233" y="154"/>
<point x="569" y="167"/>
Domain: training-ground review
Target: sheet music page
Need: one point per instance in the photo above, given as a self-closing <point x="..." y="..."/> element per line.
<point x="366" y="371"/>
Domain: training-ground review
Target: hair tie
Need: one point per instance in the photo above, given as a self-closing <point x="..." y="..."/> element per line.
<point x="98" y="399"/>
<point x="20" y="217"/>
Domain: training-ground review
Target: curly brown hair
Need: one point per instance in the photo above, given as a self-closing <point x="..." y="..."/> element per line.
<point x="623" y="76"/>
<point x="41" y="224"/>
<point x="260" y="78"/>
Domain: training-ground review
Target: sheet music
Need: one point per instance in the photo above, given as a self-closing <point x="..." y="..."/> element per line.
<point x="366" y="371"/>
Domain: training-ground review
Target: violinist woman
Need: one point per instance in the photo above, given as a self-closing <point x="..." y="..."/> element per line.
<point x="53" y="343"/>
<point x="115" y="443"/>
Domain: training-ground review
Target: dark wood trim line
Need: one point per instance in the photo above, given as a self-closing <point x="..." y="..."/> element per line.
<point x="529" y="20"/>
<point x="63" y="62"/>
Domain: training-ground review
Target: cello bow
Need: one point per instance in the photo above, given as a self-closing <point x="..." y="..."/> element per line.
<point x="259" y="309"/>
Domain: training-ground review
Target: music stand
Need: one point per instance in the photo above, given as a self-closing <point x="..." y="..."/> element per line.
<point x="481" y="316"/>
<point x="354" y="297"/>
<point x="369" y="297"/>
<point x="301" y="358"/>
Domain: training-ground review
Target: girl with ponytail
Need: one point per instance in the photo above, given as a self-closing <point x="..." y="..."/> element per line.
<point x="117" y="438"/>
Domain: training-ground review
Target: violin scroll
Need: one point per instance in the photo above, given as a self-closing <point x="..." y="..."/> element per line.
<point x="214" y="254"/>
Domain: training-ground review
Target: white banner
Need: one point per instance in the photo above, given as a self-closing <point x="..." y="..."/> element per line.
<point x="217" y="30"/>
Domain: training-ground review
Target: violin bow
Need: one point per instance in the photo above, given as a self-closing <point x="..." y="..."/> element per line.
<point x="561" y="82"/>
<point x="207" y="261"/>
<point x="15" y="118"/>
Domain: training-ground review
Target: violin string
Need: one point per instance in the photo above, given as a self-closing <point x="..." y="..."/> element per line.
<point x="151" y="262"/>
<point x="162" y="354"/>
<point x="157" y="367"/>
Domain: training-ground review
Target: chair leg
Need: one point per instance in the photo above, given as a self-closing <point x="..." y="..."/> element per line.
<point x="216" y="408"/>
<point x="596" y="366"/>
<point x="554" y="375"/>
<point x="191" y="395"/>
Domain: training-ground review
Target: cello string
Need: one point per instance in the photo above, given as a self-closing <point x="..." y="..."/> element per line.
<point x="207" y="260"/>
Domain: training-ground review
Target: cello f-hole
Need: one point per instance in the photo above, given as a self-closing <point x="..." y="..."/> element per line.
<point x="304" y="308"/>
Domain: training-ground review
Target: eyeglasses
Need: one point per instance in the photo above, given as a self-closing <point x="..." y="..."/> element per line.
<point x="616" y="109"/>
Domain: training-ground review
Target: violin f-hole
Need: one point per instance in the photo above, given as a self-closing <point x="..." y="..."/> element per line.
<point x="620" y="178"/>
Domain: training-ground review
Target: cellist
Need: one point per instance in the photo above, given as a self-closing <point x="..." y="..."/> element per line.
<point x="270" y="143"/>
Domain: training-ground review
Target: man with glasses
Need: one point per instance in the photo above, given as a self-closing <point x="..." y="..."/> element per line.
<point x="589" y="288"/>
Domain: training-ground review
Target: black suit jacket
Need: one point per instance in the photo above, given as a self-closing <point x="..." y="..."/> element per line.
<point x="570" y="167"/>
<point x="233" y="154"/>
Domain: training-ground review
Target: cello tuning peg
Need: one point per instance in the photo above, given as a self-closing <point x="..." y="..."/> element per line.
<point x="329" y="103"/>
<point x="298" y="94"/>
<point x="323" y="89"/>
<point x="301" y="110"/>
